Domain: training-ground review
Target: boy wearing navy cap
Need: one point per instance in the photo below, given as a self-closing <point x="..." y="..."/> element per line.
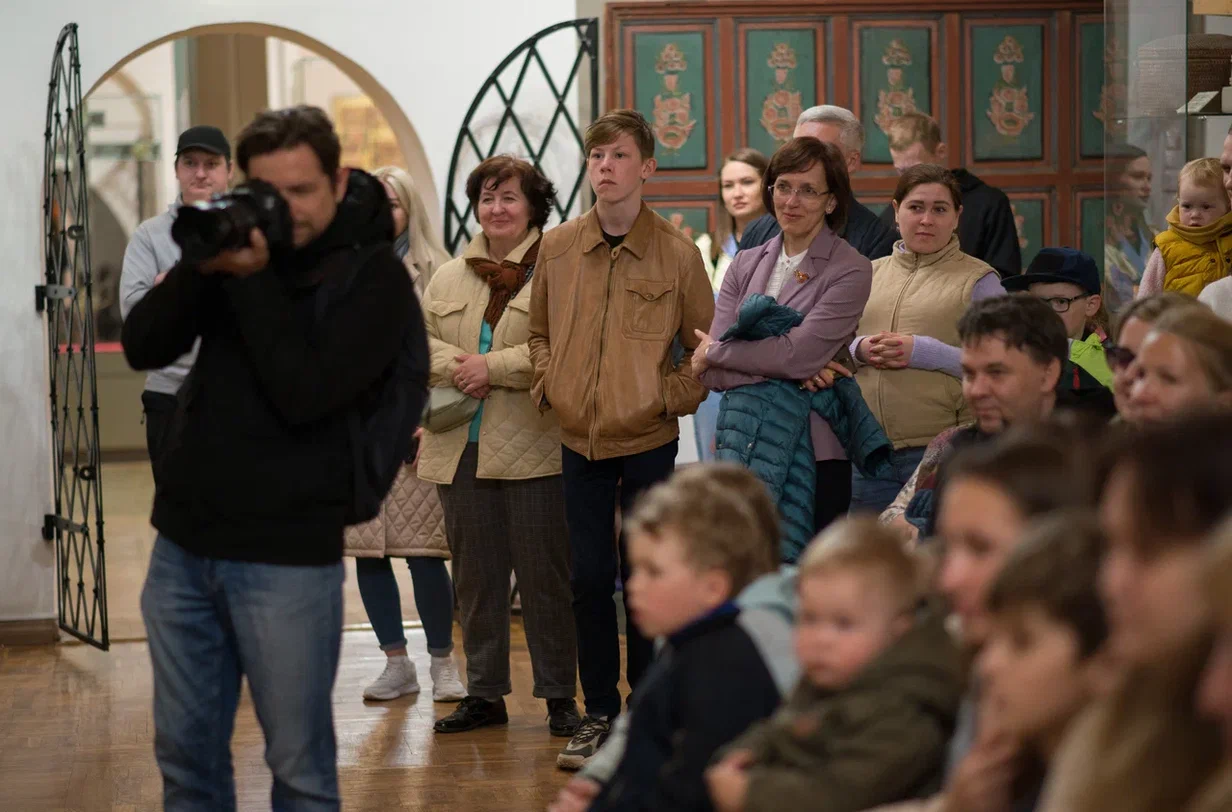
<point x="1069" y="280"/>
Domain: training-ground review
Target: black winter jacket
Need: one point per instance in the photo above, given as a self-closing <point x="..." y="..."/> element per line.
<point x="257" y="467"/>
<point x="705" y="687"/>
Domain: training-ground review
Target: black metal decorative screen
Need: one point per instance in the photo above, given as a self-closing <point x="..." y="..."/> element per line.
<point x="524" y="109"/>
<point x="65" y="299"/>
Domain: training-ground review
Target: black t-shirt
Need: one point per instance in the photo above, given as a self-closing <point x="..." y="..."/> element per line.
<point x="613" y="240"/>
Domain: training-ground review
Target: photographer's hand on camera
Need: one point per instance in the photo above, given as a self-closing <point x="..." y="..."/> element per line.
<point x="242" y="262"/>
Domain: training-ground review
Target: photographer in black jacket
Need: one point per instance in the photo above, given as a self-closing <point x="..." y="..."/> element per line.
<point x="246" y="574"/>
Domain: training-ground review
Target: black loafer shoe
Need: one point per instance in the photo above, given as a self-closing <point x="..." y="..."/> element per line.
<point x="473" y="713"/>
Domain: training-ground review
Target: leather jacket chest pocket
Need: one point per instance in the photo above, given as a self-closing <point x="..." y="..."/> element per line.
<point x="648" y="308"/>
<point x="446" y="324"/>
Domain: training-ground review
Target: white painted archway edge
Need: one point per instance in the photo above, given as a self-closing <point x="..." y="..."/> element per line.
<point x="425" y="58"/>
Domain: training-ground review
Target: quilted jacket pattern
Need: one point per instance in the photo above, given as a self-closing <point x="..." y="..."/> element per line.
<point x="765" y="427"/>
<point x="516" y="441"/>
<point x="411" y="523"/>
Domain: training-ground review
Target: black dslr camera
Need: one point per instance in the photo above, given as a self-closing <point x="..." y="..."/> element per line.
<point x="223" y="223"/>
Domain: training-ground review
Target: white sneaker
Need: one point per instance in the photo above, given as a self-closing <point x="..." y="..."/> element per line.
<point x="398" y="679"/>
<point x="446" y="682"/>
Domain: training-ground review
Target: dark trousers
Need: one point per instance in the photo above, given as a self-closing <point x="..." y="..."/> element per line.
<point x="591" y="492"/>
<point x="832" y="496"/>
<point x="159" y="409"/>
<point x="496" y="527"/>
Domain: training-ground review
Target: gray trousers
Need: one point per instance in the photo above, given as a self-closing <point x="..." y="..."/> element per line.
<point x="496" y="527"/>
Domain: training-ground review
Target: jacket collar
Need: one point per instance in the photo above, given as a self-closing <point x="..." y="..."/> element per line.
<point x="478" y="246"/>
<point x="721" y="615"/>
<point x="912" y="260"/>
<point x="637" y="240"/>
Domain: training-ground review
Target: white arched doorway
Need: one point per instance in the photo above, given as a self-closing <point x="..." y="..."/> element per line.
<point x="408" y="139"/>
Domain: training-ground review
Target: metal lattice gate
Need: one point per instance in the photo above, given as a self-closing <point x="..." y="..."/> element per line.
<point x="65" y="299"/>
<point x="524" y="109"/>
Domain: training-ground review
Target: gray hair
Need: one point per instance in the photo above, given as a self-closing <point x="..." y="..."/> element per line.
<point x="852" y="131"/>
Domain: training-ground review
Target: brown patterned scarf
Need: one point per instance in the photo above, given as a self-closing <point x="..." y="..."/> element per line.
<point x="504" y="279"/>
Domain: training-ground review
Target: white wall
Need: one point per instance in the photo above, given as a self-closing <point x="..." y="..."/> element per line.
<point x="430" y="56"/>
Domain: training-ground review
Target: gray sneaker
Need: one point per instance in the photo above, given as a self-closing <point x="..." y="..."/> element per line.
<point x="590" y="736"/>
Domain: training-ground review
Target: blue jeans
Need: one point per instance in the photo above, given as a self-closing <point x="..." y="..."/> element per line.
<point x="378" y="588"/>
<point x="705" y="424"/>
<point x="875" y="495"/>
<point x="210" y="622"/>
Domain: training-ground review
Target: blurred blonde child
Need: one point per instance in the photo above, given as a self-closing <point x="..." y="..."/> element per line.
<point x="879" y="692"/>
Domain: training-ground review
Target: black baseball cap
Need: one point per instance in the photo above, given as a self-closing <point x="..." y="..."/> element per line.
<point x="1058" y="265"/>
<point x="204" y="137"/>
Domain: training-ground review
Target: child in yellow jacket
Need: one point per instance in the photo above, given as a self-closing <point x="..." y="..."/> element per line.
<point x="1196" y="250"/>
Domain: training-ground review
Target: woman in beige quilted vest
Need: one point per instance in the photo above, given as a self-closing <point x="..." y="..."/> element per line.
<point x="411" y="524"/>
<point x="498" y="464"/>
<point x="906" y="348"/>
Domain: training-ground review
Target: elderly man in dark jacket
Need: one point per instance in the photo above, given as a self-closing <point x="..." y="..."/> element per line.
<point x="865" y="233"/>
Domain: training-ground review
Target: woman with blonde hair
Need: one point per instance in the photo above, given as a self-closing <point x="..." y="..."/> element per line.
<point x="411" y="524"/>
<point x="416" y="241"/>
<point x="1184" y="364"/>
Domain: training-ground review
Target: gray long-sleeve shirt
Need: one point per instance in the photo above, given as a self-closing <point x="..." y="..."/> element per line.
<point x="151" y="251"/>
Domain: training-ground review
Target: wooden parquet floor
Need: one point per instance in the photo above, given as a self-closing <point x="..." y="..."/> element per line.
<point x="76" y="735"/>
<point x="128" y="489"/>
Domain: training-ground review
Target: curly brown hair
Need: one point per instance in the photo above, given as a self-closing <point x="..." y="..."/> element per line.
<point x="540" y="191"/>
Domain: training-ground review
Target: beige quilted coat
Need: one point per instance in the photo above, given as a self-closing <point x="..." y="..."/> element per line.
<point x="411" y="523"/>
<point x="515" y="440"/>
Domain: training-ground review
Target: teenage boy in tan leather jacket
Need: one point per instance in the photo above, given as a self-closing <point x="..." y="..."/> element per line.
<point x="616" y="291"/>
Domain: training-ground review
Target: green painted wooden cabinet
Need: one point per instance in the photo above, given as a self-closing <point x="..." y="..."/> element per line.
<point x="1022" y="93"/>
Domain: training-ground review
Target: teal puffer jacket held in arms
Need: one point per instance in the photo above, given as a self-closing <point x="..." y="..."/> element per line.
<point x="765" y="427"/>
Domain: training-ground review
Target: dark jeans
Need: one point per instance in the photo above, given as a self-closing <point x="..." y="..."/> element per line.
<point x="378" y="589"/>
<point x="211" y="622"/>
<point x="875" y="495"/>
<point x="591" y="492"/>
<point x="159" y="409"/>
<point x="832" y="497"/>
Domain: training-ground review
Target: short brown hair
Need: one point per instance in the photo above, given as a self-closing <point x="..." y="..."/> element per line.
<point x="921" y="174"/>
<point x="539" y="191"/>
<point x="914" y="128"/>
<point x="1056" y="569"/>
<point x="723" y="515"/>
<point x="864" y="544"/>
<point x="610" y="126"/>
<point x="801" y="155"/>
<point x="274" y="130"/>
<point x="1150" y="308"/>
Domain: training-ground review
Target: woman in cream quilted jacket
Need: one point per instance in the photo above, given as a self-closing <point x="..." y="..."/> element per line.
<point x="411" y="524"/>
<point x="499" y="471"/>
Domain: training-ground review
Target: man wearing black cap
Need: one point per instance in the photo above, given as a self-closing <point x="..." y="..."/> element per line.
<point x="202" y="169"/>
<point x="1069" y="281"/>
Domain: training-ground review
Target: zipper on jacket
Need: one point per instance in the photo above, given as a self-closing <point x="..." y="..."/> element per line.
<point x="894" y="329"/>
<point x="594" y="423"/>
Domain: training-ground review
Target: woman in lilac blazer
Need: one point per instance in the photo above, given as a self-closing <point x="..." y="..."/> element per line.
<point x="810" y="269"/>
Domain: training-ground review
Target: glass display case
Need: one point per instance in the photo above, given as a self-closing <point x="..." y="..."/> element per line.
<point x="1161" y="105"/>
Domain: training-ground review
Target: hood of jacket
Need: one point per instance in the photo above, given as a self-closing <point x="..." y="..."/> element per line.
<point x="924" y="666"/>
<point x="363" y="218"/>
